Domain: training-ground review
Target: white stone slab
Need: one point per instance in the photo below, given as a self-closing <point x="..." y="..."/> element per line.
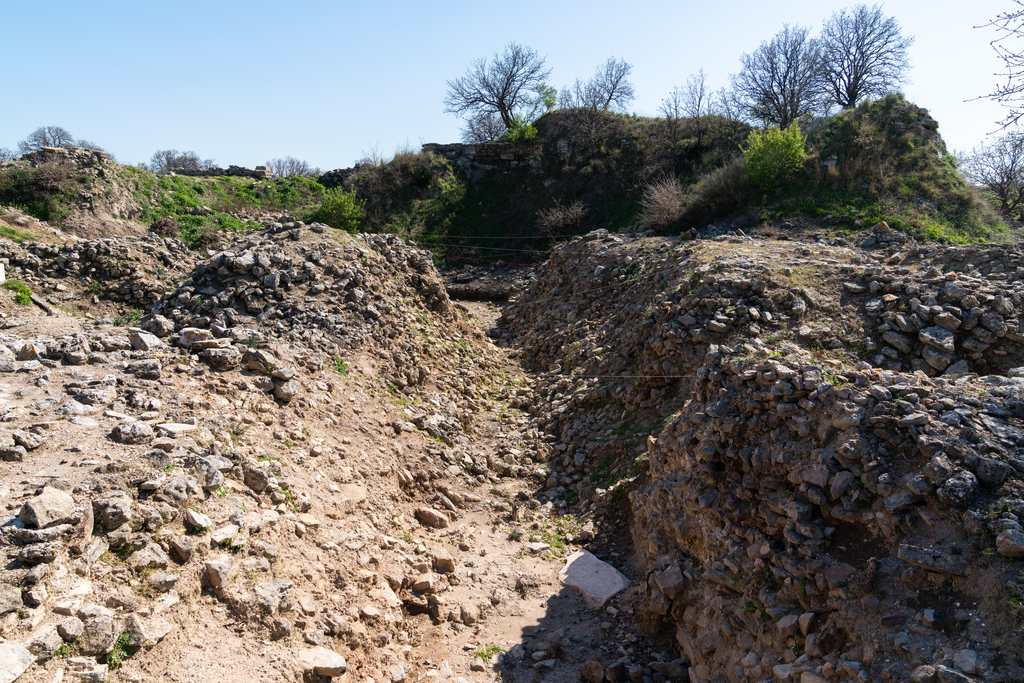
<point x="597" y="580"/>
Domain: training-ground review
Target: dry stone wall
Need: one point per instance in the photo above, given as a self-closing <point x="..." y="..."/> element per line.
<point x="260" y="172"/>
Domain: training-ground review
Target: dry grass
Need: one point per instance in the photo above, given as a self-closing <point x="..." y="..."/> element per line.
<point x="561" y="220"/>
<point x="663" y="203"/>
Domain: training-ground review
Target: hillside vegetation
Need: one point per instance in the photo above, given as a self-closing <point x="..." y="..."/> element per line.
<point x="881" y="161"/>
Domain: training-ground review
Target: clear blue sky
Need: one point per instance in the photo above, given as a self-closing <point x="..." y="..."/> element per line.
<point x="325" y="81"/>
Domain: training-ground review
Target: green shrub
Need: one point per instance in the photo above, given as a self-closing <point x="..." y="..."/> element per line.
<point x="717" y="193"/>
<point x="773" y="156"/>
<point x="341" y="210"/>
<point x="521" y="131"/>
<point x="21" y="291"/>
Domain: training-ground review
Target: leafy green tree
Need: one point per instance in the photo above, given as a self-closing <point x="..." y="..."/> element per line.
<point x="773" y="156"/>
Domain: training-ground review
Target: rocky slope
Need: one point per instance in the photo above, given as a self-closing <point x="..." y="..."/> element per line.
<point x="801" y="514"/>
<point x="299" y="458"/>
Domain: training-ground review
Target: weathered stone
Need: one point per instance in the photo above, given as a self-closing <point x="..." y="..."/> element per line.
<point x="113" y="510"/>
<point x="144" y="341"/>
<point x="898" y="341"/>
<point x="593" y="670"/>
<point x="99" y="635"/>
<point x="15" y="659"/>
<point x="286" y="391"/>
<point x="596" y="580"/>
<point x="1010" y="543"/>
<point x="933" y="559"/>
<point x="218" y="571"/>
<point x="150" y="557"/>
<point x="432" y="518"/>
<point x="840" y="483"/>
<point x="45" y="643"/>
<point x="958" y="490"/>
<point x="38" y="553"/>
<point x="671" y="581"/>
<point x="49" y="508"/>
<point x="71" y="629"/>
<point x="939" y="338"/>
<point x="323" y="662"/>
<point x="197" y="520"/>
<point x="133" y="433"/>
<point x="10" y="598"/>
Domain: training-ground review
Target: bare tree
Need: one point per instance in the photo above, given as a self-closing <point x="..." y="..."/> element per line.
<point x="6" y="154"/>
<point x="610" y="88"/>
<point x="167" y="160"/>
<point x="999" y="167"/>
<point x="503" y="86"/>
<point x="1010" y="26"/>
<point x="484" y="127"/>
<point x="694" y="101"/>
<point x="580" y="95"/>
<point x="46" y="136"/>
<point x="781" y="80"/>
<point x="864" y="54"/>
<point x="289" y="167"/>
<point x="612" y="84"/>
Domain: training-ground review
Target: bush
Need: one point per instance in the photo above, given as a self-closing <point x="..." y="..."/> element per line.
<point x="717" y="194"/>
<point x="663" y="203"/>
<point x="559" y="221"/>
<point x="521" y="131"/>
<point x="22" y="294"/>
<point x="774" y="156"/>
<point x="341" y="210"/>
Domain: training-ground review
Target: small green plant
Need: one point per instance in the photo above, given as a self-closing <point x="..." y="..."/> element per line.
<point x="288" y="443"/>
<point x="22" y="294"/>
<point x="221" y="492"/>
<point x="120" y="652"/>
<point x="488" y="651"/>
<point x="773" y="156"/>
<point x="338" y="365"/>
<point x="133" y="315"/>
<point x="95" y="286"/>
<point x="68" y="649"/>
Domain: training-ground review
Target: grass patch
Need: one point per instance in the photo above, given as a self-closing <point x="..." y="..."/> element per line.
<point x="128" y="318"/>
<point x="8" y="232"/>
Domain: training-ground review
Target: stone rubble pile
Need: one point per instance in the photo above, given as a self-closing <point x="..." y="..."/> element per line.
<point x="790" y="509"/>
<point x="132" y="270"/>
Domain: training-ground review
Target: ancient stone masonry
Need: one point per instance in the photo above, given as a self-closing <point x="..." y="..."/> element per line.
<point x="260" y="172"/>
<point x="337" y="177"/>
<point x="79" y="155"/>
